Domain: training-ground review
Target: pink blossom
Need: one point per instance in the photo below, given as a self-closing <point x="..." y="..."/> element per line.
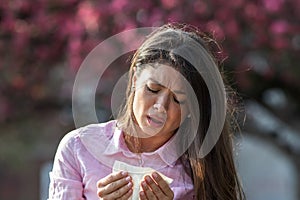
<point x="279" y="27"/>
<point x="232" y="29"/>
<point x="42" y="52"/>
<point x="20" y="41"/>
<point x="215" y="28"/>
<point x="235" y="3"/>
<point x="223" y="14"/>
<point x="273" y="5"/>
<point x="254" y="12"/>
<point x="118" y="5"/>
<point x="156" y="16"/>
<point x="175" y="16"/>
<point x="280" y="42"/>
<point x="88" y="16"/>
<point x="8" y="23"/>
<point x="169" y="4"/>
<point x="73" y="28"/>
<point x="201" y="8"/>
<point x="74" y="45"/>
<point x="74" y="62"/>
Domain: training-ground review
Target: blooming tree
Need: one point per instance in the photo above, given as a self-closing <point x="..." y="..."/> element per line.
<point x="43" y="43"/>
<point x="261" y="39"/>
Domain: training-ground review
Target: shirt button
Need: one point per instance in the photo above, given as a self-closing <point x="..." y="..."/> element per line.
<point x="140" y="162"/>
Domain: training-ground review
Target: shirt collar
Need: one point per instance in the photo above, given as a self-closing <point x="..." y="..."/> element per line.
<point x="117" y="144"/>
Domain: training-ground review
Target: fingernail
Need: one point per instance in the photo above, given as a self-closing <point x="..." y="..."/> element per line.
<point x="148" y="178"/>
<point x="144" y="183"/>
<point x="128" y="178"/>
<point x="155" y="175"/>
<point x="124" y="173"/>
<point x="129" y="184"/>
<point x="142" y="193"/>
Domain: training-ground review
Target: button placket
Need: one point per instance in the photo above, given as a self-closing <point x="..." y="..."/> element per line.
<point x="140" y="161"/>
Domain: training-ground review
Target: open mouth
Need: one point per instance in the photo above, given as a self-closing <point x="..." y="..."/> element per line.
<point x="155" y="121"/>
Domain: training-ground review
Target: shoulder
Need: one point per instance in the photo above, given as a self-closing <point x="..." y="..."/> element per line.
<point x="101" y="131"/>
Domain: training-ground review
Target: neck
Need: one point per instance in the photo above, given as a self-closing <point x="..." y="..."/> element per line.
<point x="140" y="145"/>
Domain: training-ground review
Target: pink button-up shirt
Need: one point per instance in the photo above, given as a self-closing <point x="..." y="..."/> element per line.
<point x="87" y="154"/>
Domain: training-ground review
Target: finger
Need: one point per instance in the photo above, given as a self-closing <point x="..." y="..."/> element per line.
<point x="116" y="187"/>
<point x="164" y="186"/>
<point x="122" y="193"/>
<point x="111" y="178"/>
<point x="142" y="195"/>
<point x="127" y="195"/>
<point x="155" y="188"/>
<point x="147" y="191"/>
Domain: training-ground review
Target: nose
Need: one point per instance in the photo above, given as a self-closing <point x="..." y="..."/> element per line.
<point x="162" y="102"/>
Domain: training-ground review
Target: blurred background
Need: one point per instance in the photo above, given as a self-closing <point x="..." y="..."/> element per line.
<point x="43" y="43"/>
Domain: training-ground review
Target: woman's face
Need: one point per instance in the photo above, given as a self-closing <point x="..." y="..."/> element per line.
<point x="159" y="104"/>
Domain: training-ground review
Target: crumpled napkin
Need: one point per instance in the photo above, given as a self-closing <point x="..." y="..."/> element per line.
<point x="137" y="174"/>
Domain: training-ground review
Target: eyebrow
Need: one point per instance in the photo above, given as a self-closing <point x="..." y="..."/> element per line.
<point x="175" y="91"/>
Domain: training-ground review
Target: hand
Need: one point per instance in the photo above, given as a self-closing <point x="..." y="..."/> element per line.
<point x="115" y="186"/>
<point x="155" y="188"/>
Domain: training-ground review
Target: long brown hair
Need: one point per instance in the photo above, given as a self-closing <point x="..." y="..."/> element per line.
<point x="214" y="176"/>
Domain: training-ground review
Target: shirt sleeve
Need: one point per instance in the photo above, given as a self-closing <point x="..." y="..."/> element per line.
<point x="65" y="177"/>
<point x="183" y="193"/>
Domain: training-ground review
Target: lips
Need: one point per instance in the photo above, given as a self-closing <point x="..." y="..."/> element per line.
<point x="156" y="121"/>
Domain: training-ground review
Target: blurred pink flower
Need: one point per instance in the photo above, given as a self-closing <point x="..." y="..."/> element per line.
<point x="215" y="28"/>
<point x="223" y="14"/>
<point x="273" y="6"/>
<point x="254" y="12"/>
<point x="74" y="45"/>
<point x="74" y="62"/>
<point x="20" y="41"/>
<point x="118" y="5"/>
<point x="279" y="27"/>
<point x="169" y="4"/>
<point x="201" y="8"/>
<point x="232" y="29"/>
<point x="8" y="22"/>
<point x="74" y="52"/>
<point x="88" y="16"/>
<point x="42" y="52"/>
<point x="73" y="28"/>
<point x="235" y="3"/>
<point x="280" y="42"/>
<point x="156" y="16"/>
<point x="175" y="16"/>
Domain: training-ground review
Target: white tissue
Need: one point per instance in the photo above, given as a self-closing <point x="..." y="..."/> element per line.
<point x="137" y="174"/>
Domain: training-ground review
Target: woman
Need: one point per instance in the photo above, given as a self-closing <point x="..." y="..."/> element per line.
<point x="168" y="113"/>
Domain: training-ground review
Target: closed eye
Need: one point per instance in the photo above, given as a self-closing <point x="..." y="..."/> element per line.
<point x="177" y="101"/>
<point x="151" y="90"/>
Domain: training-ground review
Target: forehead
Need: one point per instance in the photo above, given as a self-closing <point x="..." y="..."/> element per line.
<point x="164" y="75"/>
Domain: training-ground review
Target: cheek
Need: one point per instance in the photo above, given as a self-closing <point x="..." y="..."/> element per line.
<point x="139" y="103"/>
<point x="135" y="107"/>
<point x="175" y="115"/>
<point x="178" y="115"/>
